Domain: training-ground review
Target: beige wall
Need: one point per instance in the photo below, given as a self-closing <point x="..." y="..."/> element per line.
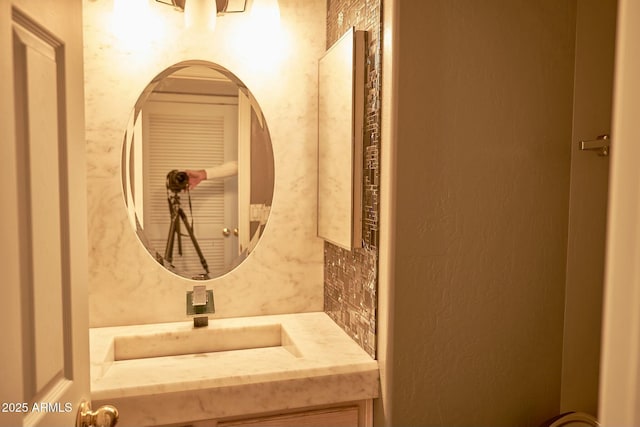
<point x="284" y="273"/>
<point x="474" y="267"/>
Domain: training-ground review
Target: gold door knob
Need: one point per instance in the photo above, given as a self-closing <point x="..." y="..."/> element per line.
<point x="104" y="416"/>
<point x="226" y="232"/>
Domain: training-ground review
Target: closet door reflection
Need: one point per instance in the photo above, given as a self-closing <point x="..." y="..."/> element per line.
<point x="199" y="117"/>
<point x="188" y="132"/>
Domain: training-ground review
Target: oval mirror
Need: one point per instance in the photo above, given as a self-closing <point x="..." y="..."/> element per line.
<point x="197" y="117"/>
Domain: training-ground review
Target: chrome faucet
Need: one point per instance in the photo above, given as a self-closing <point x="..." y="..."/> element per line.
<point x="199" y="304"/>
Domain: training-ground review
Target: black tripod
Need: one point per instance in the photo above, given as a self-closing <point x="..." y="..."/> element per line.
<point x="178" y="214"/>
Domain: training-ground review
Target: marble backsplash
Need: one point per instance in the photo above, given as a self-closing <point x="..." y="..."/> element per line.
<point x="284" y="273"/>
<point x="351" y="277"/>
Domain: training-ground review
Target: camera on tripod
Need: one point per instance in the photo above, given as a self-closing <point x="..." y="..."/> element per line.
<point x="177" y="181"/>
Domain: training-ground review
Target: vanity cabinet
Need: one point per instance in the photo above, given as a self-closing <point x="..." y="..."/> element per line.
<point x="288" y="369"/>
<point x="357" y="414"/>
<point x="354" y="414"/>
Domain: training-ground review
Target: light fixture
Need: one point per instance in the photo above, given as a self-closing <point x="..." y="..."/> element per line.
<point x="202" y="13"/>
<point x="223" y="6"/>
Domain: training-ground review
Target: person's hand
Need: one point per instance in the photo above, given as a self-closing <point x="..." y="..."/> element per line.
<point x="195" y="176"/>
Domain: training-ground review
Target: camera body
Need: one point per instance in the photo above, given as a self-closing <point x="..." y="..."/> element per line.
<point x="177" y="181"/>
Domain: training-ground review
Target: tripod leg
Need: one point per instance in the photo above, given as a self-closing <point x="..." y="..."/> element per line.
<point x="193" y="240"/>
<point x="168" y="252"/>
<point x="179" y="237"/>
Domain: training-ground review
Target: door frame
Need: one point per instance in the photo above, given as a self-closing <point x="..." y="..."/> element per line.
<point x="620" y="365"/>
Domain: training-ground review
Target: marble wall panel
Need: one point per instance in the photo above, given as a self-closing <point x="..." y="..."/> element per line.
<point x="124" y="50"/>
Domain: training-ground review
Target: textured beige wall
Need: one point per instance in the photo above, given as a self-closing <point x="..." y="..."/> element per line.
<point x="284" y="273"/>
<point x="474" y="279"/>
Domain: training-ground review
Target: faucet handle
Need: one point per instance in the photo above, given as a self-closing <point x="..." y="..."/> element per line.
<point x="199" y="304"/>
<point x="199" y="297"/>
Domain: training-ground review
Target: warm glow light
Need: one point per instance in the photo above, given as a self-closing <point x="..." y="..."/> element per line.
<point x="266" y="14"/>
<point x="200" y="14"/>
<point x="261" y="38"/>
<point x="133" y="23"/>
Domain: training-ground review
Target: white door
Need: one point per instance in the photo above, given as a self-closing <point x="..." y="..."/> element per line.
<point x="593" y="87"/>
<point x="43" y="303"/>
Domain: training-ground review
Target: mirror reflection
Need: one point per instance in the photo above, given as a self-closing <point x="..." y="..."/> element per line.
<point x="198" y="170"/>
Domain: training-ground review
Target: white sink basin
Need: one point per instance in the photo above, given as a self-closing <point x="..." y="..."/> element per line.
<point x="193" y="341"/>
<point x="172" y="374"/>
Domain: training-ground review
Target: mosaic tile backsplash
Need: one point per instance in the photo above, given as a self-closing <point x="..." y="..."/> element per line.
<point x="351" y="277"/>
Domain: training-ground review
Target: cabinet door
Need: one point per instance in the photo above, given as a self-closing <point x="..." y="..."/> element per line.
<point x="335" y="417"/>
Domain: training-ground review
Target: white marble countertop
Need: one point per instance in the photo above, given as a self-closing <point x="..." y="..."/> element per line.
<point x="301" y="360"/>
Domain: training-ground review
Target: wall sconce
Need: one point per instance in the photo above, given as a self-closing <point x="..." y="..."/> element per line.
<point x="201" y="13"/>
<point x="223" y="6"/>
